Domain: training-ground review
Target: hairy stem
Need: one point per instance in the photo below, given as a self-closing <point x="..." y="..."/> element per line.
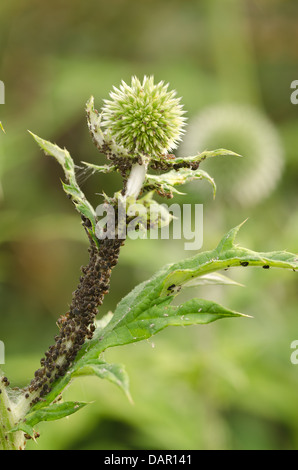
<point x="136" y="180"/>
<point x="8" y="418"/>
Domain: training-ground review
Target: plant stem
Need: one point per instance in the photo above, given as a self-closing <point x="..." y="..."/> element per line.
<point x="8" y="419"/>
<point x="136" y="180"/>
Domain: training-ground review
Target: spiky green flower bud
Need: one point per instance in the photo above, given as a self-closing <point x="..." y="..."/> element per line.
<point x="144" y="118"/>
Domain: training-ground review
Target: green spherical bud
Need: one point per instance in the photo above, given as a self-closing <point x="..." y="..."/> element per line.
<point x="144" y="118"/>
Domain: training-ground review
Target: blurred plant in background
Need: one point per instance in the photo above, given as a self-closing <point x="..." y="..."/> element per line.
<point x="246" y="182"/>
<point x="239" y="391"/>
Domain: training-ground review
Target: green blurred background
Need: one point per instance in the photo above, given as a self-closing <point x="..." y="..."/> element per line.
<point x="228" y="385"/>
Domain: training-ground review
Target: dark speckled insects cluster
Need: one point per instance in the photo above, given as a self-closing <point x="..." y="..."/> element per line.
<point x="78" y="324"/>
<point x="167" y="162"/>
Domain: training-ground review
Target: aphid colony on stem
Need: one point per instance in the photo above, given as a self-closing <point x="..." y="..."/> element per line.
<point x="78" y="324"/>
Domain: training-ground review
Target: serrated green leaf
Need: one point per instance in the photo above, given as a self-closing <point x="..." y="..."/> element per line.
<point x="62" y="156"/>
<point x="158" y="317"/>
<point x="165" y="285"/>
<point x="71" y="187"/>
<point x="166" y="181"/>
<point x="115" y="373"/>
<point x="226" y="255"/>
<point x="94" y="119"/>
<point x="48" y="413"/>
<point x="25" y="428"/>
<point x="204" y="155"/>
<point x="100" y="168"/>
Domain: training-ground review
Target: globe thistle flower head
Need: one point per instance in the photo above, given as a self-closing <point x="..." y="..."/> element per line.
<point x="144" y="118"/>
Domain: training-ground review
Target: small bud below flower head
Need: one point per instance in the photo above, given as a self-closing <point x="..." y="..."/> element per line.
<point x="144" y="118"/>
